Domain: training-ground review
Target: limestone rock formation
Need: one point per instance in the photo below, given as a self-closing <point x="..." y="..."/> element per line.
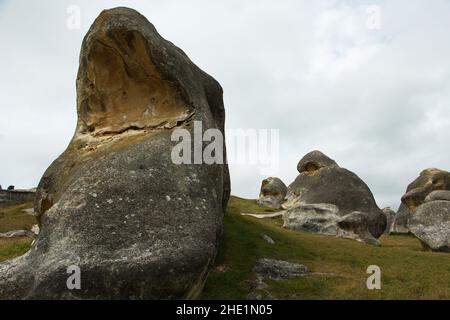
<point x="390" y="217"/>
<point x="17" y="234"/>
<point x="277" y="269"/>
<point x="114" y="204"/>
<point x="428" y="181"/>
<point x="273" y="192"/>
<point x="325" y="219"/>
<point x="322" y="181"/>
<point x="443" y="195"/>
<point x="431" y="224"/>
<point x="400" y="224"/>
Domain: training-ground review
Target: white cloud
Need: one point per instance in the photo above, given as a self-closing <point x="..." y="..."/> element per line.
<point x="377" y="101"/>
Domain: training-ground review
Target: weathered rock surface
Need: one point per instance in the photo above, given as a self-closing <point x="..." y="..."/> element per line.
<point x="18" y="234"/>
<point x="322" y="181"/>
<point x="431" y="224"/>
<point x="273" y="192"/>
<point x="277" y="269"/>
<point x="390" y="218"/>
<point x="325" y="219"/>
<point x="400" y="225"/>
<point x="443" y="195"/>
<point x="429" y="180"/>
<point x="114" y="204"/>
<point x="35" y="229"/>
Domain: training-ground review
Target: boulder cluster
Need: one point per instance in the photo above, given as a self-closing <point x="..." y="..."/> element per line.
<point x="330" y="200"/>
<point x="425" y="210"/>
<point x="139" y="226"/>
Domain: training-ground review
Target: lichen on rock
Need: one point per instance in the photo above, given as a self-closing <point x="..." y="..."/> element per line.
<point x="137" y="225"/>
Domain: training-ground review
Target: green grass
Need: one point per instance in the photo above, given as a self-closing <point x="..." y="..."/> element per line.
<point x="13" y="218"/>
<point x="14" y="247"/>
<point x="407" y="271"/>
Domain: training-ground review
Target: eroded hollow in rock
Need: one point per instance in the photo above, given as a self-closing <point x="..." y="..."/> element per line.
<point x="310" y="168"/>
<point x="121" y="88"/>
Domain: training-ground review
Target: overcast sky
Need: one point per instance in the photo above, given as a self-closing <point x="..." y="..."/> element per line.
<point x="372" y="94"/>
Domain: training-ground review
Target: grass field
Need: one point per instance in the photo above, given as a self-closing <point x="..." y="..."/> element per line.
<point x="13" y="218"/>
<point x="407" y="271"/>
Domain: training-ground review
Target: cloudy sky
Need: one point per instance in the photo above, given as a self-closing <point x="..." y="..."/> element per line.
<point x="366" y="82"/>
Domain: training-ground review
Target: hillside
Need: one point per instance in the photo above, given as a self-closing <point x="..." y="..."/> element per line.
<point x="12" y="217"/>
<point x="407" y="271"/>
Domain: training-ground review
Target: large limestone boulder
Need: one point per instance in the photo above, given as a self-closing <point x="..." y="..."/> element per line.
<point x="322" y="181"/>
<point x="429" y="180"/>
<point x="400" y="224"/>
<point x="273" y="192"/>
<point x="431" y="224"/>
<point x="390" y="218"/>
<point x="114" y="204"/>
<point x="325" y="219"/>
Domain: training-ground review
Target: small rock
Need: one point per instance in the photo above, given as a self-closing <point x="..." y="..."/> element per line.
<point x="35" y="229"/>
<point x="254" y="295"/>
<point x="273" y="192"/>
<point x="259" y="284"/>
<point x="268" y="239"/>
<point x="277" y="269"/>
<point x="260" y="295"/>
<point x="17" y="234"/>
<point x="29" y="211"/>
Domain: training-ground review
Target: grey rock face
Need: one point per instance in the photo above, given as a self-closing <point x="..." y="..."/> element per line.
<point x="325" y="219"/>
<point x="314" y="161"/>
<point x="390" y="218"/>
<point x="114" y="204"/>
<point x="273" y="192"/>
<point x="429" y="180"/>
<point x="321" y="180"/>
<point x="443" y="195"/>
<point x="400" y="225"/>
<point x="318" y="218"/>
<point x="276" y="269"/>
<point x="431" y="224"/>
